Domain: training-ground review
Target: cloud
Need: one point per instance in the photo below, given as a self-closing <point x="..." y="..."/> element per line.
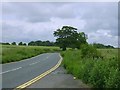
<point x="37" y="12"/>
<point x="103" y="37"/>
<point x="102" y="16"/>
<point x="37" y="21"/>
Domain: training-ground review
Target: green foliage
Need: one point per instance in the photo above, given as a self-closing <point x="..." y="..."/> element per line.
<point x="97" y="73"/>
<point x="69" y="37"/>
<point x="5" y="43"/>
<point x="41" y="43"/>
<point x="113" y="79"/>
<point x="21" y="43"/>
<point x="13" y="43"/>
<point x="89" y="51"/>
<point x="17" y="53"/>
<point x="98" y="45"/>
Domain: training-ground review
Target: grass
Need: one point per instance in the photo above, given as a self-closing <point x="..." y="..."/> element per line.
<point x="100" y="73"/>
<point x="11" y="53"/>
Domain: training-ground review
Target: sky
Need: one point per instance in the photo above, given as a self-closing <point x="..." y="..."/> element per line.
<point x="31" y="21"/>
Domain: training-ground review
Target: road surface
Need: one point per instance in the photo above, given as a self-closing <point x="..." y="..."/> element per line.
<point x="15" y="74"/>
<point x="59" y="79"/>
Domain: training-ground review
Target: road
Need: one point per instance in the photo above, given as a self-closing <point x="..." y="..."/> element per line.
<point x="59" y="79"/>
<point x="15" y="74"/>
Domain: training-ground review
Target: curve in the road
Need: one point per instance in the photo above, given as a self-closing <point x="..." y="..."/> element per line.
<point x="39" y="77"/>
<point x="24" y="73"/>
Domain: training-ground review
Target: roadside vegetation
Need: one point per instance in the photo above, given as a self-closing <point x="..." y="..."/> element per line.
<point x="96" y="67"/>
<point x="92" y="63"/>
<point x="12" y="53"/>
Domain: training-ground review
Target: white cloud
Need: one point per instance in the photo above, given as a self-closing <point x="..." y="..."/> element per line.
<point x="37" y="21"/>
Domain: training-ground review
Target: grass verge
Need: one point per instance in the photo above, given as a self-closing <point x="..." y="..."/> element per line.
<point x="97" y="73"/>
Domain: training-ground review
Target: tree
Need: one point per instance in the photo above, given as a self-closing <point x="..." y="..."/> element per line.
<point x="13" y="43"/>
<point x="20" y="43"/>
<point x="24" y="44"/>
<point x="68" y="36"/>
<point x="32" y="43"/>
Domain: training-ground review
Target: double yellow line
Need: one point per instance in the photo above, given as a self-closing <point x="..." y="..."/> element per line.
<point x="39" y="77"/>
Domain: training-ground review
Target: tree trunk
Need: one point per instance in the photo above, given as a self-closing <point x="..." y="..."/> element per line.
<point x="64" y="48"/>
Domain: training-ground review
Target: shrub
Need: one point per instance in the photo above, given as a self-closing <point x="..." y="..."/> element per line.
<point x="88" y="51"/>
<point x="97" y="75"/>
<point x="113" y="80"/>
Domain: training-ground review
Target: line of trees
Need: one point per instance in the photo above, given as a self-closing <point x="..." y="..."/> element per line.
<point x="14" y="43"/>
<point x="33" y="43"/>
<point x="48" y="43"/>
<point x="41" y="43"/>
<point x="98" y="45"/>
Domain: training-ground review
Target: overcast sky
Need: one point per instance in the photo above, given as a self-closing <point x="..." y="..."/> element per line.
<point x="37" y="21"/>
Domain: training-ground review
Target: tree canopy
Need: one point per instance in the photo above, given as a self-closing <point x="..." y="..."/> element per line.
<point x="21" y="43"/>
<point x="41" y="43"/>
<point x="68" y="36"/>
<point x="98" y="45"/>
<point x="13" y="43"/>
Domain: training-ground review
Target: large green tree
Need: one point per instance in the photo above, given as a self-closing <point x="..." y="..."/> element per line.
<point x="68" y="36"/>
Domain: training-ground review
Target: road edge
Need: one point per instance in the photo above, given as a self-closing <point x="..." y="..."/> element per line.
<point x="28" y="83"/>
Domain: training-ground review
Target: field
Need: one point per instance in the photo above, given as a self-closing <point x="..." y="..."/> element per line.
<point x="99" y="73"/>
<point x="11" y="53"/>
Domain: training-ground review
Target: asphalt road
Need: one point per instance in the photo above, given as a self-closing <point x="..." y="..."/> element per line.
<point x="59" y="79"/>
<point x="15" y="74"/>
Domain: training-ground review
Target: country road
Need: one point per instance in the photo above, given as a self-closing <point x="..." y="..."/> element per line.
<point x="15" y="74"/>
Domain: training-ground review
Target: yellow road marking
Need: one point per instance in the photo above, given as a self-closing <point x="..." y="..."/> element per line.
<point x="39" y="77"/>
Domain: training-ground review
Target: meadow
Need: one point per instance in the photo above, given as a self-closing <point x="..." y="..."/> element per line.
<point x="12" y="53"/>
<point x="97" y="73"/>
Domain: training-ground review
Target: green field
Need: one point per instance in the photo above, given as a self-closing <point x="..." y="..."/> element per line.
<point x="11" y="53"/>
<point x="100" y="73"/>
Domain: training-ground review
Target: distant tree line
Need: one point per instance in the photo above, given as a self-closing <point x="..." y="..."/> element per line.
<point x="21" y="43"/>
<point x="14" y="43"/>
<point x="33" y="43"/>
<point x="48" y="43"/>
<point x="5" y="43"/>
<point x="41" y="43"/>
<point x="98" y="45"/>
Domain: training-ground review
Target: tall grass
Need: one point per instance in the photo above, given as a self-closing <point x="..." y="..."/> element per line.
<point x="99" y="73"/>
<point x="11" y="53"/>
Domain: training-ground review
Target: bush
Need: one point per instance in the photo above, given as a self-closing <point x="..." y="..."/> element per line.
<point x="113" y="80"/>
<point x="88" y="51"/>
<point x="97" y="75"/>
